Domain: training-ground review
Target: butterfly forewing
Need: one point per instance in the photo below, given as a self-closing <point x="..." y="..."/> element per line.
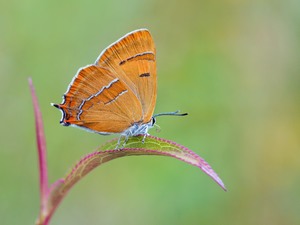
<point x="132" y="59"/>
<point x="99" y="101"/>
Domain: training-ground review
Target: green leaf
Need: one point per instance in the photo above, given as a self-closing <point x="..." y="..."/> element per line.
<point x="134" y="146"/>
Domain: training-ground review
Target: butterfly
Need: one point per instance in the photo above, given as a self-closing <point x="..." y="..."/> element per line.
<point x="116" y="94"/>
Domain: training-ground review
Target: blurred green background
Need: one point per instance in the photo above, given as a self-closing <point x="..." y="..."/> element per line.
<point x="232" y="65"/>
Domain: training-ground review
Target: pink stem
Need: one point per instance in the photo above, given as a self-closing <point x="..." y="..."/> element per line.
<point x="41" y="144"/>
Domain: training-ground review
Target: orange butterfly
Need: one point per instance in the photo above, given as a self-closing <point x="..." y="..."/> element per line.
<point x="117" y="94"/>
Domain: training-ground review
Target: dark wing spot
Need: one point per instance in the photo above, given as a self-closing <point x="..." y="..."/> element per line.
<point x="145" y="75"/>
<point x="149" y="56"/>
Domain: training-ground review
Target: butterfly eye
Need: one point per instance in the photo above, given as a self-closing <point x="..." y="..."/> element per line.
<point x="153" y="121"/>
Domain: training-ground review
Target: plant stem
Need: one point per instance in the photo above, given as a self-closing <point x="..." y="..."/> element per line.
<point x="41" y="147"/>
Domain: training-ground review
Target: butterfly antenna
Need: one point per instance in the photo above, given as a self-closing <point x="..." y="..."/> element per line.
<point x="176" y="113"/>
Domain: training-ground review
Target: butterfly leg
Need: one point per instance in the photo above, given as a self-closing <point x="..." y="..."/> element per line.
<point x="144" y="138"/>
<point x="119" y="143"/>
<point x="120" y="140"/>
<point x="125" y="141"/>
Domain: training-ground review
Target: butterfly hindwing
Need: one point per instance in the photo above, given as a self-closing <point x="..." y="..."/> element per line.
<point x="99" y="101"/>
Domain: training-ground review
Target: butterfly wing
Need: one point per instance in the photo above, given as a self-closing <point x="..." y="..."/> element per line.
<point x="99" y="101"/>
<point x="132" y="59"/>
